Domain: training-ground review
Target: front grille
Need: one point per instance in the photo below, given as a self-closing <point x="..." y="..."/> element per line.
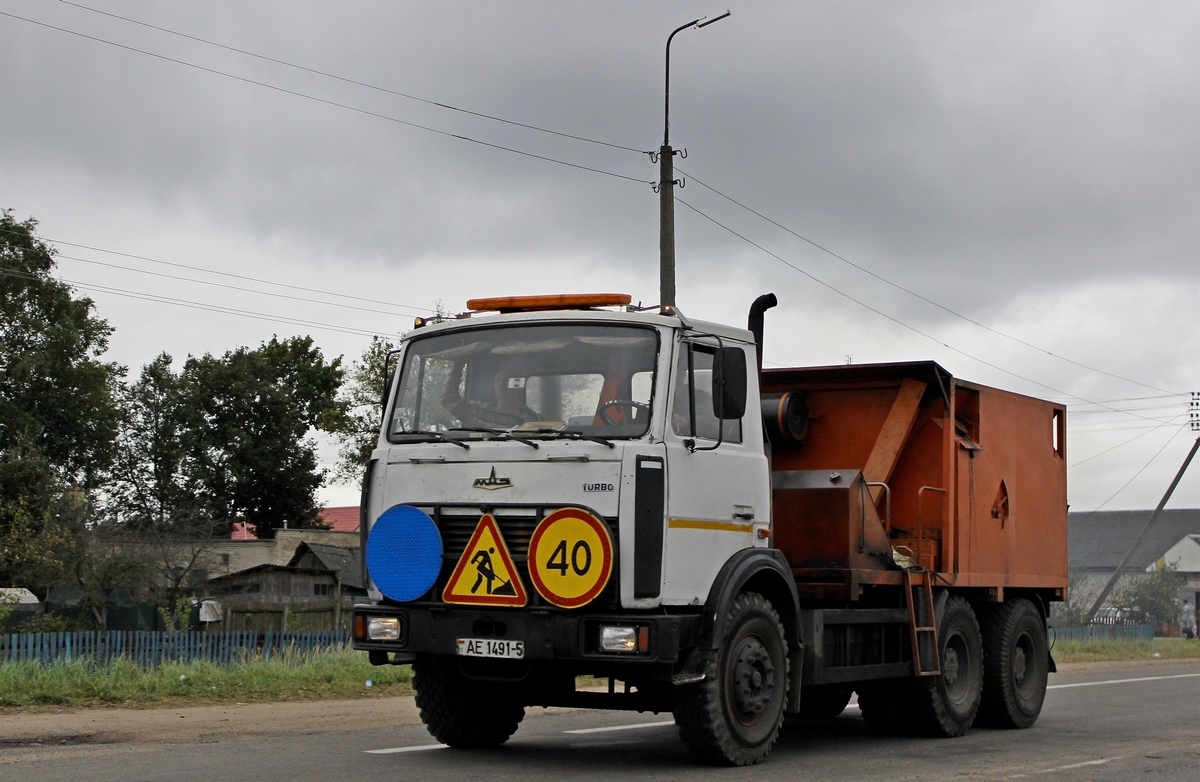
<point x="516" y="522"/>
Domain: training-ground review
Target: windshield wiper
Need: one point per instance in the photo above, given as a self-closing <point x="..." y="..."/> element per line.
<point x="499" y="433"/>
<point x="595" y="438"/>
<point x="441" y="438"/>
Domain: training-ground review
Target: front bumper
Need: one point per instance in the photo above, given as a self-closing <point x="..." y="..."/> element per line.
<point x="547" y="634"/>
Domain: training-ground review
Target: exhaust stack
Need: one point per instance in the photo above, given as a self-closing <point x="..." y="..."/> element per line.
<point x="755" y="321"/>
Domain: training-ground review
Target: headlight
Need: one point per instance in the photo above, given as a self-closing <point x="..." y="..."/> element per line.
<point x="618" y="638"/>
<point x="383" y="628"/>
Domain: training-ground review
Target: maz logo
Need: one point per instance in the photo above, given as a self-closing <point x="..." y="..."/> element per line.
<point x="598" y="487"/>
<point x="492" y="482"/>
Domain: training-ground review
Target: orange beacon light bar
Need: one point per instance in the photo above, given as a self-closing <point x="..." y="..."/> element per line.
<point x="555" y="301"/>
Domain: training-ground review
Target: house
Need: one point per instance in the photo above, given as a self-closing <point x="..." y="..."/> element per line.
<point x="343" y="518"/>
<point x="1098" y="541"/>
<point x="1184" y="556"/>
<point x="244" y="550"/>
<point x="16" y="605"/>
<point x="312" y="591"/>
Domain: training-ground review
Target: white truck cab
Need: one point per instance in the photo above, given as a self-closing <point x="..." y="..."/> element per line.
<point x="530" y="411"/>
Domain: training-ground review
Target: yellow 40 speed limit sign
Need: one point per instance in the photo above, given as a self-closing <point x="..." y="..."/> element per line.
<point x="570" y="557"/>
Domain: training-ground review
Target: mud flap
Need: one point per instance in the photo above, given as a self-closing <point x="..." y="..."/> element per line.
<point x="795" y="669"/>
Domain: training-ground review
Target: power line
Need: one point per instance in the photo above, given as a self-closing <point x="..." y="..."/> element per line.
<point x="230" y="287"/>
<point x="1109" y="412"/>
<point x="1139" y="472"/>
<point x="925" y="299"/>
<point x="224" y="274"/>
<point x="328" y="102"/>
<point x="895" y="320"/>
<point x="355" y="81"/>
<point x="1118" y="445"/>
<point x="200" y="306"/>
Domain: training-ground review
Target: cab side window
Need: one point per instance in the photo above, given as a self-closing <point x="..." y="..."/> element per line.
<point x="692" y="406"/>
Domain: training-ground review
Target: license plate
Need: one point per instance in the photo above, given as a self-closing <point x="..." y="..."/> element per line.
<point x="491" y="647"/>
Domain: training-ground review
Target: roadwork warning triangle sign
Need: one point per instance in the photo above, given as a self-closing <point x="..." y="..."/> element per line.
<point x="485" y="573"/>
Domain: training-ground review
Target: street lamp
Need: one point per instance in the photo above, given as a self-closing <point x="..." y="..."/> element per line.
<point x="666" y="180"/>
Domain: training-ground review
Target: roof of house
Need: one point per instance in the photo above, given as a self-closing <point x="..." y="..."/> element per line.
<point x="267" y="567"/>
<point x="345" y="562"/>
<point x="242" y="531"/>
<point x="343" y="518"/>
<point x="18" y="596"/>
<point x="1098" y="540"/>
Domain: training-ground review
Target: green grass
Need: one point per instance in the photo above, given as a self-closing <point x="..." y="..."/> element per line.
<point x="1115" y="651"/>
<point x="336" y="675"/>
<point x="80" y="684"/>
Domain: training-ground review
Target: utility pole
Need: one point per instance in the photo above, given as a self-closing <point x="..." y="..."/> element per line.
<point x="667" y="181"/>
<point x="1112" y="580"/>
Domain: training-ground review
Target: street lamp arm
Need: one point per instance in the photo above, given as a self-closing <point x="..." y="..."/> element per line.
<point x="667" y="88"/>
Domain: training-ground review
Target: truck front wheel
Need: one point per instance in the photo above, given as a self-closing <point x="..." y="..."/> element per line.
<point x="1016" y="665"/>
<point x="462" y="712"/>
<point x="733" y="715"/>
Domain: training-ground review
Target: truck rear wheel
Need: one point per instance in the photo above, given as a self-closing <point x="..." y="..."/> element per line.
<point x="462" y="712"/>
<point x="734" y="714"/>
<point x="1016" y="665"/>
<point x="947" y="705"/>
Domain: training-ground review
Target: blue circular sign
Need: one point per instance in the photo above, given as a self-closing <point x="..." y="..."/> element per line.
<point x="404" y="553"/>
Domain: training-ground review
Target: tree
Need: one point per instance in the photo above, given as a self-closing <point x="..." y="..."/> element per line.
<point x="1153" y="597"/>
<point x="148" y="489"/>
<point x="110" y="561"/>
<point x="179" y="558"/>
<point x="246" y="422"/>
<point x="1074" y="611"/>
<point x="54" y="390"/>
<point x="58" y="415"/>
<point x="38" y="546"/>
<point x="362" y="396"/>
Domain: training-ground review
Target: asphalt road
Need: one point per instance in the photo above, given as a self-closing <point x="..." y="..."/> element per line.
<point x="1112" y="724"/>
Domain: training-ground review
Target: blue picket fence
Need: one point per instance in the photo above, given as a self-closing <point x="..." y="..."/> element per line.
<point x="1103" y="632"/>
<point x="151" y="649"/>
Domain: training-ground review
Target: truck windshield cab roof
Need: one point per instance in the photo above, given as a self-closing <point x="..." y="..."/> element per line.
<point x="526" y="381"/>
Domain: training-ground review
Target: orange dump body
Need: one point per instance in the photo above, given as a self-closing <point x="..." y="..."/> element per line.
<point x="888" y="461"/>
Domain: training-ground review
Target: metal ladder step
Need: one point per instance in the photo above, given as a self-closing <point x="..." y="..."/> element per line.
<point x="923" y="629"/>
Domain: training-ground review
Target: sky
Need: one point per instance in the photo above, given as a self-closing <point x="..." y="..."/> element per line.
<point x="1011" y="189"/>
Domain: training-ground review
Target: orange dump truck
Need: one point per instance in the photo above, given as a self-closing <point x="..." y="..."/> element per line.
<point x="567" y="486"/>
<point x="962" y="485"/>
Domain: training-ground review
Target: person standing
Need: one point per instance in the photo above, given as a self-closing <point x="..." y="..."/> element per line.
<point x="1187" y="622"/>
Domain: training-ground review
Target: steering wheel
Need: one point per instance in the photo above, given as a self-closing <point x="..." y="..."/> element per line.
<point x="632" y="405"/>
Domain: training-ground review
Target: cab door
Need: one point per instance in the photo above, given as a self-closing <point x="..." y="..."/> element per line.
<point x="718" y="498"/>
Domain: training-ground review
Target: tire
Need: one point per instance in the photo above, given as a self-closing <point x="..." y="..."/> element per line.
<point x="1016" y="665"/>
<point x="461" y="712"/>
<point x="946" y="705"/>
<point x="823" y="702"/>
<point x="732" y="717"/>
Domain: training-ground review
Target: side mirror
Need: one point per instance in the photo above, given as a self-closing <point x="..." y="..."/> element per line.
<point x="729" y="383"/>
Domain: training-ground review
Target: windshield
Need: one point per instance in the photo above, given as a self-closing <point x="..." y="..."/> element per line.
<point x="533" y="381"/>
